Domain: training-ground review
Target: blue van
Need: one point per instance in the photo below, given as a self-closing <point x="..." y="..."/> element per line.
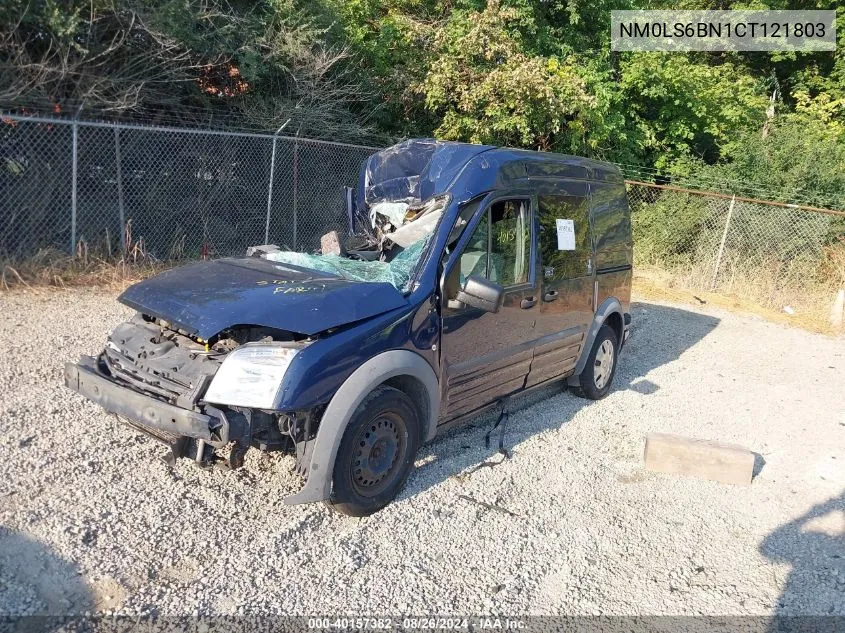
<point x="472" y="273"/>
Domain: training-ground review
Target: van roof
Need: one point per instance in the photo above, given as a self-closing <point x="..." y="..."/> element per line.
<point x="418" y="169"/>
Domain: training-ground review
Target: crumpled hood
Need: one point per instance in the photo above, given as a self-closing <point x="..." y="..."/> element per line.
<point x="207" y="297"/>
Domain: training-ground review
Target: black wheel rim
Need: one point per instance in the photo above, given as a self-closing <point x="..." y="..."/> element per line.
<point x="379" y="452"/>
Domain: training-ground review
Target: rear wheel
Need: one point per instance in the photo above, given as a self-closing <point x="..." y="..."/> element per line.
<point x="376" y="453"/>
<point x="596" y="379"/>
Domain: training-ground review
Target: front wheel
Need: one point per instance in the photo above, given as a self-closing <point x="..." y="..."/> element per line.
<point x="595" y="381"/>
<point x="376" y="453"/>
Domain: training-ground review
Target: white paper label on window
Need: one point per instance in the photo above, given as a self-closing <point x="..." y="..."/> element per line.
<point x="565" y="234"/>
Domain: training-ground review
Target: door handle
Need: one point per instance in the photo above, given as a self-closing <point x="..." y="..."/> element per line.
<point x="551" y="295"/>
<point x="528" y="302"/>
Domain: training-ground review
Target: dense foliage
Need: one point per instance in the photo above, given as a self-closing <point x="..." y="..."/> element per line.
<point x="530" y="73"/>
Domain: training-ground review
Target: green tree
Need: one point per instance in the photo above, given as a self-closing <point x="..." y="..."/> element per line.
<point x="486" y="88"/>
<point x="683" y="105"/>
<point x="529" y="73"/>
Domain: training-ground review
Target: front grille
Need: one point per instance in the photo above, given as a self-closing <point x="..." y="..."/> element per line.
<point x="159" y="363"/>
<point x="142" y="379"/>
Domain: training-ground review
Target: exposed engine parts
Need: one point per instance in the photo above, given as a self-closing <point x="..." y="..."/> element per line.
<point x="152" y="357"/>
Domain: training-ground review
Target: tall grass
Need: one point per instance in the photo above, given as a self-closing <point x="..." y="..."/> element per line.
<point x="777" y="259"/>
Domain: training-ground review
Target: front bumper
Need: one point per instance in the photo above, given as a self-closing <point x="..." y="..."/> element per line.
<point x="162" y="421"/>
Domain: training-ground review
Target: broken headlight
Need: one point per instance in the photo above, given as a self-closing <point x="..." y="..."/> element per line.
<point x="250" y="376"/>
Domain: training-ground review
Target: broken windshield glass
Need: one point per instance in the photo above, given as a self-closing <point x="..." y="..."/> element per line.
<point x="397" y="272"/>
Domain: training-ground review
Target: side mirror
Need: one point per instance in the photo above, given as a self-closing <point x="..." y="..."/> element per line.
<point x="481" y="293"/>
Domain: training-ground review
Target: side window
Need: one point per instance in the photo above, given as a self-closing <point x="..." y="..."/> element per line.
<point x="563" y="256"/>
<point x="611" y="225"/>
<point x="500" y="247"/>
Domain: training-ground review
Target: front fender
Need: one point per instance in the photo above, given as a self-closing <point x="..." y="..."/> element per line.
<point x="362" y="381"/>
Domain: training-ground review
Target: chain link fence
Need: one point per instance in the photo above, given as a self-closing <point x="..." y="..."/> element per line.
<point x="172" y="193"/>
<point x="774" y="254"/>
<point x="166" y="192"/>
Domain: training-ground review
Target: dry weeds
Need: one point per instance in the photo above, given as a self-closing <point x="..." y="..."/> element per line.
<point x="52" y="268"/>
<point x="658" y="285"/>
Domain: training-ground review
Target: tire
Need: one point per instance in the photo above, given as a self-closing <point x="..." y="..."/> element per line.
<point x="376" y="454"/>
<point x="596" y="381"/>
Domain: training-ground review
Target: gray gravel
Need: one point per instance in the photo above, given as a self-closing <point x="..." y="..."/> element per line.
<point x="92" y="519"/>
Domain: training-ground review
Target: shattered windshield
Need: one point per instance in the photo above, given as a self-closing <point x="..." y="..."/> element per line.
<point x="390" y="253"/>
<point x="396" y="213"/>
<point x="394" y="173"/>
<point x="396" y="272"/>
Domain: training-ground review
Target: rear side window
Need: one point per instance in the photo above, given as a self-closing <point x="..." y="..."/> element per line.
<point x="565" y="256"/>
<point x="611" y="225"/>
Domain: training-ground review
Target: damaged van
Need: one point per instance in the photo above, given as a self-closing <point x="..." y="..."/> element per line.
<point x="470" y="274"/>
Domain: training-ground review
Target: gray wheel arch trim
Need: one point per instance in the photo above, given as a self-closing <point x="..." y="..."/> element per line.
<point x="608" y="307"/>
<point x="343" y="404"/>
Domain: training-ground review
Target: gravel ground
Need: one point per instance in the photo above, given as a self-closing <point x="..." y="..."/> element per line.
<point x="92" y="519"/>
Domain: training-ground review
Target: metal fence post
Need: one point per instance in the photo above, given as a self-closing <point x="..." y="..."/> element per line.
<point x="270" y="186"/>
<point x="722" y="244"/>
<point x="120" y="207"/>
<point x="295" y="185"/>
<point x="73" y="189"/>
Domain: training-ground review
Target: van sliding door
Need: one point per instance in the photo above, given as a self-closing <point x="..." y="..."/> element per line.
<point x="566" y="276"/>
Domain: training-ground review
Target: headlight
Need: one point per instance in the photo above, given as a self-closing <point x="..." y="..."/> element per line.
<point x="250" y="376"/>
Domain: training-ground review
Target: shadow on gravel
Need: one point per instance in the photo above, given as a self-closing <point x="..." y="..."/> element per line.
<point x="37" y="585"/>
<point x="659" y="336"/>
<point x="814" y="546"/>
